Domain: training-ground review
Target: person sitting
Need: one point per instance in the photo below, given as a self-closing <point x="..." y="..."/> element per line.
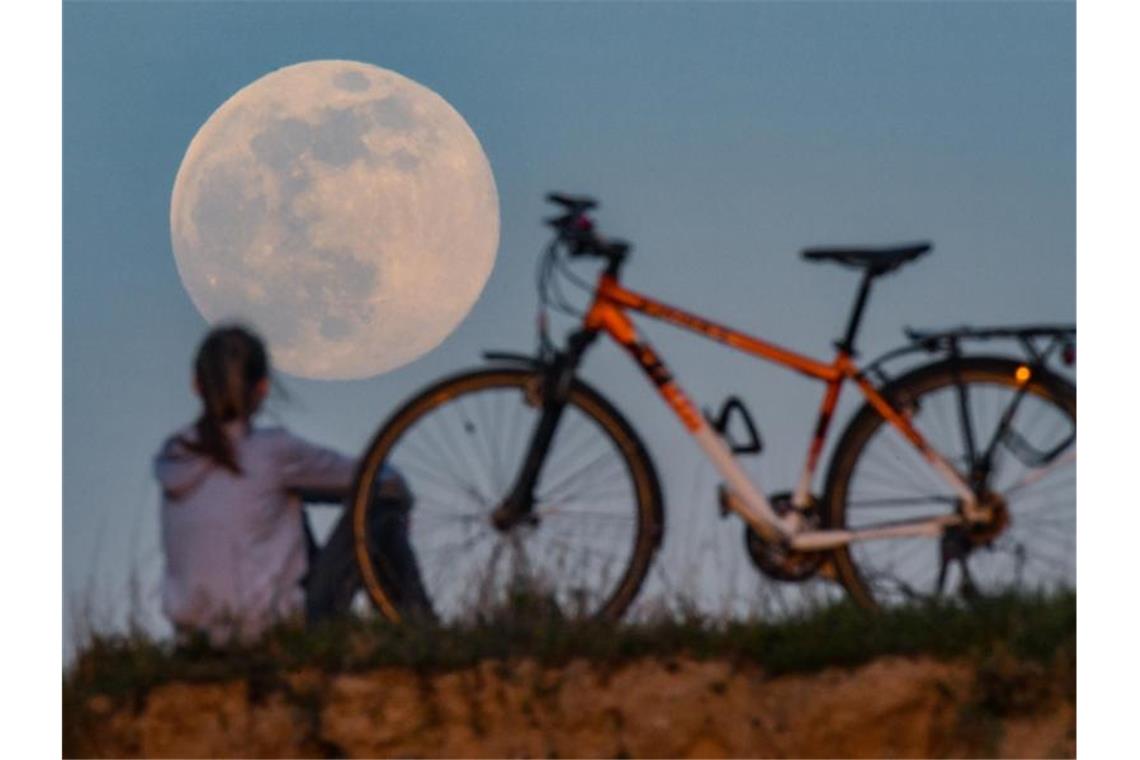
<point x="239" y="553"/>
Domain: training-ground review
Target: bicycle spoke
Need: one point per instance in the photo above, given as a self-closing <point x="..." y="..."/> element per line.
<point x="562" y="511"/>
<point x="439" y="440"/>
<point x="427" y="473"/>
<point x="552" y="493"/>
<point x="1040" y="473"/>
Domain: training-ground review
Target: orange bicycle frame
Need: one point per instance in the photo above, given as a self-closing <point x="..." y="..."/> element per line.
<point x="608" y="314"/>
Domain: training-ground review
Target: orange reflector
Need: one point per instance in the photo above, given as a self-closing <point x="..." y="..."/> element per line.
<point x="1022" y="373"/>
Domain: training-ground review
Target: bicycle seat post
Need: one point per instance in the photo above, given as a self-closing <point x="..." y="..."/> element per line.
<point x="847" y="344"/>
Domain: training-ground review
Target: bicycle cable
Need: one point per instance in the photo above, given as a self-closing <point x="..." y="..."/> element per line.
<point x="552" y="271"/>
<point x="551" y="296"/>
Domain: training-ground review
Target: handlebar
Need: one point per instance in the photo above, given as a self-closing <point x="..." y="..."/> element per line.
<point x="572" y="203"/>
<point x="576" y="230"/>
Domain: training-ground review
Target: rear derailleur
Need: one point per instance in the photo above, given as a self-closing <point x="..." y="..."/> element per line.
<point x="958" y="542"/>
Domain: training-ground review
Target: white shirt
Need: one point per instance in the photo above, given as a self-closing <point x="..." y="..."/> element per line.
<point x="235" y="544"/>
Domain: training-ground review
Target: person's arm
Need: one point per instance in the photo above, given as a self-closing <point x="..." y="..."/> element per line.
<point x="323" y="475"/>
<point x="315" y="473"/>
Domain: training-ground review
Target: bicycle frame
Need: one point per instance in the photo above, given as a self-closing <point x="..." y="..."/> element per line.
<point x="608" y="314"/>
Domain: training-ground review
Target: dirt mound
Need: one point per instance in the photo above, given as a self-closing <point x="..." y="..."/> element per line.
<point x="645" y="708"/>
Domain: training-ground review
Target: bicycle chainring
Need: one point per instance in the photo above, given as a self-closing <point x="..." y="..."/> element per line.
<point x="778" y="561"/>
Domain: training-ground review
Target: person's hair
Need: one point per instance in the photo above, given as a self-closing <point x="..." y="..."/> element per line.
<point x="230" y="363"/>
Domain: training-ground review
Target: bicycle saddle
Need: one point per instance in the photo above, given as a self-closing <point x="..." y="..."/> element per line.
<point x="874" y="260"/>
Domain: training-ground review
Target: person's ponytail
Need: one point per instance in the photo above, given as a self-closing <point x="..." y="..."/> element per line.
<point x="230" y="364"/>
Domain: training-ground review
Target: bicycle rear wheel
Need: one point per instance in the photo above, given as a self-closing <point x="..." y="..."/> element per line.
<point x="877" y="477"/>
<point x="597" y="519"/>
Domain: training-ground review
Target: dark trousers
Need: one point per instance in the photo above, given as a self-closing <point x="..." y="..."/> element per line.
<point x="334" y="576"/>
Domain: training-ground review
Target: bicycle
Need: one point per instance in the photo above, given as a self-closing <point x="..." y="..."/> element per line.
<point x="526" y="476"/>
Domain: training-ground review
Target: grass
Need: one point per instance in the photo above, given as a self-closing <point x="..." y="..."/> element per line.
<point x="1026" y="630"/>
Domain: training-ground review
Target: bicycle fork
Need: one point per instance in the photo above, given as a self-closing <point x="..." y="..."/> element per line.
<point x="555" y="380"/>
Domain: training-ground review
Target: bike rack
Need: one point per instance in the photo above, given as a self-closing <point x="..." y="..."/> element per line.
<point x="1037" y="342"/>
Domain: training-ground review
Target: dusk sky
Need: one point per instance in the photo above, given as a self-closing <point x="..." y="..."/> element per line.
<point x="720" y="138"/>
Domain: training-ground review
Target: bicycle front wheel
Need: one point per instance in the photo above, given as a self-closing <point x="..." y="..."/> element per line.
<point x="1008" y="430"/>
<point x="597" y="518"/>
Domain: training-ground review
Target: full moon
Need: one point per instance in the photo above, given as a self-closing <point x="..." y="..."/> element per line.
<point x="346" y="212"/>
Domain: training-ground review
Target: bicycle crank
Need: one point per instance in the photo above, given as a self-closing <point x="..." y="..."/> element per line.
<point x="781" y="562"/>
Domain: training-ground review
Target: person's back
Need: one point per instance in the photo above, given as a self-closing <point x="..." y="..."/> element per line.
<point x="235" y="543"/>
<point x="232" y="519"/>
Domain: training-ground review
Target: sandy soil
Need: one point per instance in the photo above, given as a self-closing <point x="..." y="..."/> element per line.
<point x="893" y="707"/>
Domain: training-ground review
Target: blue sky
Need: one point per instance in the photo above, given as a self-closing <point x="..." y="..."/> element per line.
<point x="721" y="138"/>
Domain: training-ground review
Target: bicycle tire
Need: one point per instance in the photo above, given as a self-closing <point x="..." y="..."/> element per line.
<point x="648" y="514"/>
<point x="912" y="392"/>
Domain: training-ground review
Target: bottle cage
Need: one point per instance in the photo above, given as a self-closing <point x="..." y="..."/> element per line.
<point x="722" y="421"/>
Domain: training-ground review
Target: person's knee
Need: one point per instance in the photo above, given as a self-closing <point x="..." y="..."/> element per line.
<point x="391" y="487"/>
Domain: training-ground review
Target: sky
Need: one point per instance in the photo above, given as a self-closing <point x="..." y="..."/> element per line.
<point x="720" y="138"/>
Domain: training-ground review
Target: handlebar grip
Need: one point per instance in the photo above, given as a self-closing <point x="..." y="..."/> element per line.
<point x="576" y="230"/>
